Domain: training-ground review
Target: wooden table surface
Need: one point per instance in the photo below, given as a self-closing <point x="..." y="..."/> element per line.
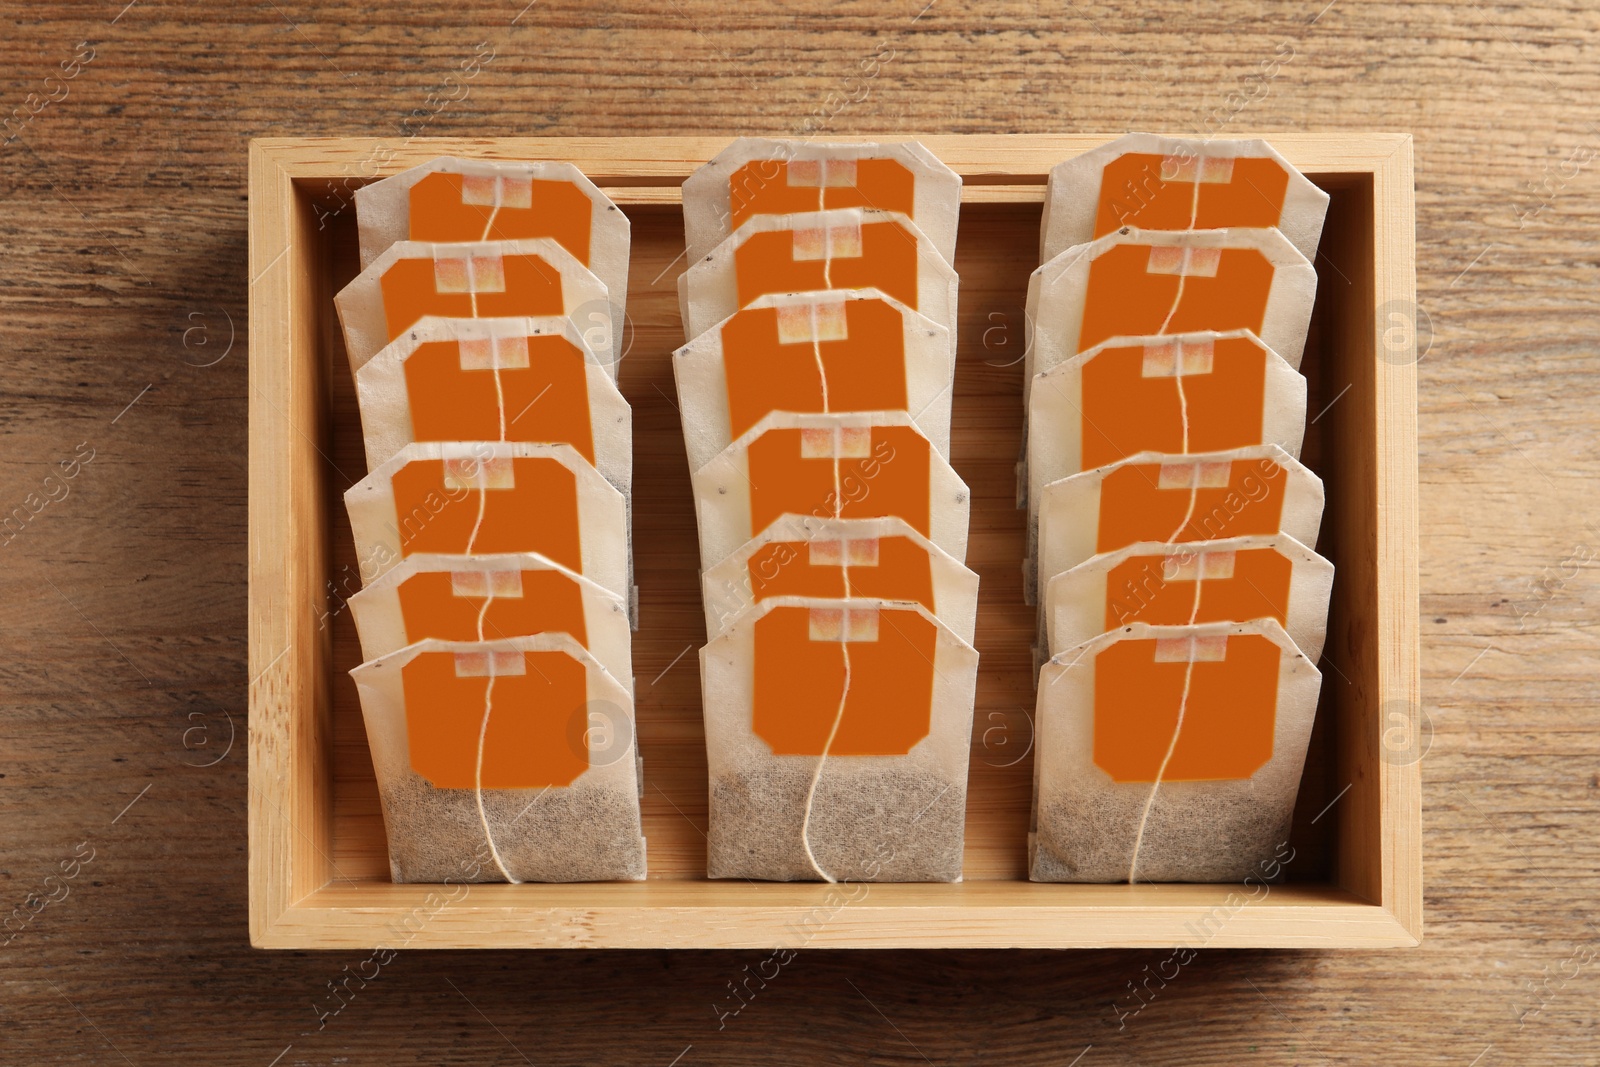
<point x="122" y="585"/>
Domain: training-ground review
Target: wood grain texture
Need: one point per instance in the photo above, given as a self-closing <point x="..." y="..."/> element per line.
<point x="122" y="631"/>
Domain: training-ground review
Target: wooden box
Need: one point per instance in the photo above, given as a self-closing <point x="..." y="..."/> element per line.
<point x="318" y="869"/>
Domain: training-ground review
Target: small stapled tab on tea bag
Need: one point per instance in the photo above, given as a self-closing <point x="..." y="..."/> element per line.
<point x="847" y="248"/>
<point x="1170" y="183"/>
<point x="1145" y="283"/>
<point x="859" y="466"/>
<point x="837" y="736"/>
<point x="489" y="597"/>
<point x="534" y="278"/>
<point x="1176" y="499"/>
<point x="1236" y="579"/>
<point x="509" y="379"/>
<point x="508" y="760"/>
<point x="757" y="176"/>
<point x="488" y="498"/>
<point x="1169" y="753"/>
<point x="1186" y="393"/>
<point x="813" y="352"/>
<point x="449" y="200"/>
<point x="883" y="558"/>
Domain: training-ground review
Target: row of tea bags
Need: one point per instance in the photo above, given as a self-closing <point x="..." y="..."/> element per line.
<point x="1171" y="524"/>
<point x="839" y="673"/>
<point x="493" y="526"/>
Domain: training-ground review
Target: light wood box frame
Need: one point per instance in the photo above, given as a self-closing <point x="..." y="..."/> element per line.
<point x="299" y="899"/>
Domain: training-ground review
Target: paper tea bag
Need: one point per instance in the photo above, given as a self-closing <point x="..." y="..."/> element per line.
<point x="763" y="176"/>
<point x="491" y="598"/>
<point x="1172" y="183"/>
<point x="485" y="280"/>
<point x="449" y="200"/>
<point x="1236" y="579"/>
<point x="487" y="498"/>
<point x="528" y="380"/>
<point x="512" y="756"/>
<point x="1201" y="392"/>
<point x="1141" y="283"/>
<point x="860" y="466"/>
<point x="1169" y="753"/>
<point x="799" y="555"/>
<point x="851" y="248"/>
<point x="837" y="735"/>
<point x="813" y="352"/>
<point x="1175" y="500"/>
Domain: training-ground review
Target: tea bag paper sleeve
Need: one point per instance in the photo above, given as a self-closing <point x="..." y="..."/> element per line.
<point x="402" y="606"/>
<point x="784" y="556"/>
<point x="1120" y="587"/>
<point x="1082" y="202"/>
<point x="1241" y="700"/>
<point x="866" y="482"/>
<point x="1246" y="491"/>
<point x="509" y="200"/>
<point x="814" y="365"/>
<point x="752" y="167"/>
<point x="1147" y="276"/>
<point x="482" y="279"/>
<point x="584" y="829"/>
<point x="825" y="814"/>
<point x="847" y="248"/>
<point x="466" y="497"/>
<point x="527" y="376"/>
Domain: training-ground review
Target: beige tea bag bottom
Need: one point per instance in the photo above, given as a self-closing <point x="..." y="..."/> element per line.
<point x="1176" y="499"/>
<point x="489" y="598"/>
<point x="489" y="497"/>
<point x="1231" y="580"/>
<point x="477" y="280"/>
<point x="837" y="738"/>
<point x="1169" y="753"/>
<point x="1144" y="283"/>
<point x="863" y="465"/>
<point x="813" y="352"/>
<point x="531" y="380"/>
<point x="1175" y="183"/>
<point x="450" y="200"/>
<point x="1189" y="393"/>
<point x="516" y="754"/>
<point x="765" y="176"/>
<point x="801" y="555"/>
<point x="851" y="248"/>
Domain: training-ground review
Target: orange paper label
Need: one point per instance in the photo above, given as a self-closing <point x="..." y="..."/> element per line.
<point x="1227" y="698"/>
<point x="537" y="714"/>
<point x="804" y="658"/>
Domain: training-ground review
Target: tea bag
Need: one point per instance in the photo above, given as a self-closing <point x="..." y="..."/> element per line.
<point x="480" y="280"/>
<point x="837" y="735"/>
<point x="490" y="598"/>
<point x="858" y="466"/>
<point x="492" y="497"/>
<point x="764" y="176"/>
<point x="1143" y="283"/>
<point x="1235" y="579"/>
<point x="850" y="248"/>
<point x="834" y="351"/>
<point x="514" y="758"/>
<point x="507" y="379"/>
<point x="449" y="200"/>
<point x="1202" y="392"/>
<point x="1172" y="183"/>
<point x="1169" y="753"/>
<point x="800" y="555"/>
<point x="1175" y="500"/>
